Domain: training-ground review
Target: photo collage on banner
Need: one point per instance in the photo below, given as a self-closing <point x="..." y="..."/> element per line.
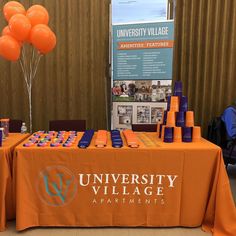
<point x="142" y="53"/>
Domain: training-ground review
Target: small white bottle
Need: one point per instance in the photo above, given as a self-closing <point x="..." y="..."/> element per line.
<point x="23" y="128"/>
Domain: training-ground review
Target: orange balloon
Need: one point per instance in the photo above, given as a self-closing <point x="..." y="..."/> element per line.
<point x="37" y="15"/>
<point x="37" y="7"/>
<point x="20" y="27"/>
<point x="6" y="31"/>
<point x="9" y="48"/>
<point x="28" y="40"/>
<point x="11" y="8"/>
<point x="43" y="38"/>
<point x="13" y="3"/>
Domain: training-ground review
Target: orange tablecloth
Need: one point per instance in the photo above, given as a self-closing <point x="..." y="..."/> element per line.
<point x="6" y="156"/>
<point x="157" y="184"/>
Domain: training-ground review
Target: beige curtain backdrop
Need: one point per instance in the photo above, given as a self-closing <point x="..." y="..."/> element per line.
<point x="72" y="80"/>
<point x="204" y="55"/>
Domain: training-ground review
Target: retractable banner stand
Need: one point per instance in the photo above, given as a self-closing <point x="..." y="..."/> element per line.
<point x="142" y="55"/>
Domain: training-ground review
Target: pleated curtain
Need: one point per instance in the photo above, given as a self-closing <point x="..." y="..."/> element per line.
<point x="72" y="80"/>
<point x="204" y="55"/>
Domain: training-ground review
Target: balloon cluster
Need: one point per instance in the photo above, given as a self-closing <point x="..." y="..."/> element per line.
<point x="29" y="26"/>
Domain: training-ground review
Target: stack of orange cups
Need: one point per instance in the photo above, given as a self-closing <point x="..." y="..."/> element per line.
<point x="177" y="134"/>
<point x="189" y="119"/>
<point x="174" y="103"/>
<point x="101" y="140"/>
<point x="196" y="134"/>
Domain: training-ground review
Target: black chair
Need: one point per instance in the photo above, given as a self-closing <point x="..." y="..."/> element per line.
<point x="144" y="127"/>
<point x="217" y="134"/>
<point x="15" y="126"/>
<point x="229" y="153"/>
<point x="67" y="125"/>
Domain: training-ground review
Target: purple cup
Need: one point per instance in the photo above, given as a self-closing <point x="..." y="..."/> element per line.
<point x="168" y="102"/>
<point x="164" y="117"/>
<point x="0" y="138"/>
<point x="179" y="94"/>
<point x="180" y="119"/>
<point x="187" y="134"/>
<point x="178" y="88"/>
<point x="183" y="104"/>
<point x="168" y="135"/>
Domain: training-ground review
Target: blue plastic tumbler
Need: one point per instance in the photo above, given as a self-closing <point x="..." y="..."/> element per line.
<point x="183" y="104"/>
<point x="187" y="134"/>
<point x="168" y="102"/>
<point x="168" y="135"/>
<point x="165" y="117"/>
<point x="180" y="119"/>
<point x="178" y="89"/>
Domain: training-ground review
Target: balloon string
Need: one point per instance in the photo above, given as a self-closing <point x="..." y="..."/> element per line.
<point x="25" y="63"/>
<point x="29" y="88"/>
<point x="36" y="65"/>
<point x="30" y="107"/>
<point x="28" y="85"/>
<point x="24" y="74"/>
<point x="31" y="63"/>
<point x="29" y="69"/>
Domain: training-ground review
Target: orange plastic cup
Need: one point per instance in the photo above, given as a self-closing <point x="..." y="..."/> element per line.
<point x="163" y="132"/>
<point x="174" y="103"/>
<point x="189" y="119"/>
<point x="178" y="134"/>
<point x="170" y="119"/>
<point x="196" y="133"/>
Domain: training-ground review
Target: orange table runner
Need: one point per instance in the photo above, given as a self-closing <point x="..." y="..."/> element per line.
<point x="6" y="156"/>
<point x="157" y="184"/>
